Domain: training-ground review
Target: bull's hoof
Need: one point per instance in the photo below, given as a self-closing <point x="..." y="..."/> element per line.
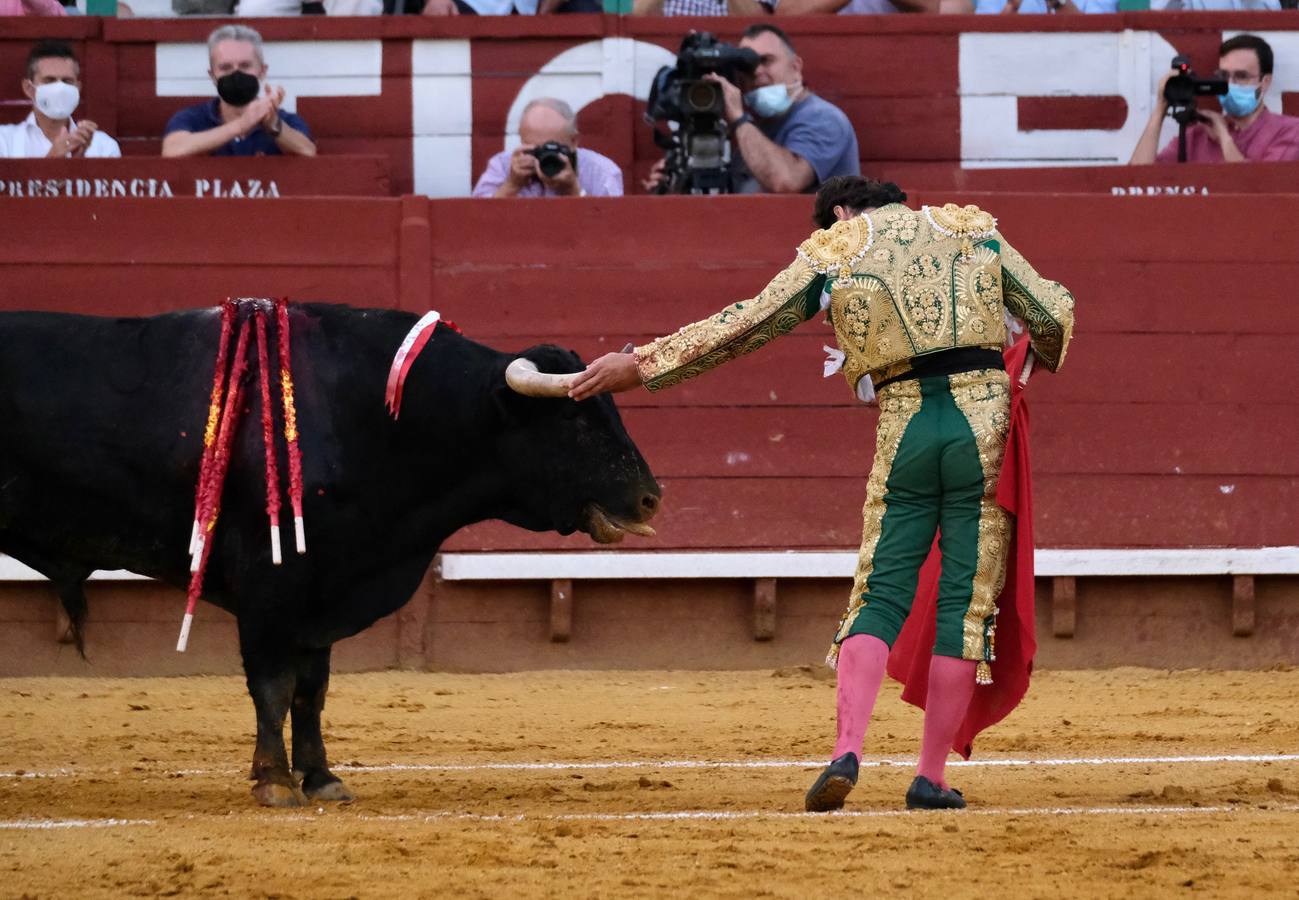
<point x="332" y="790"/>
<point x="270" y="793"/>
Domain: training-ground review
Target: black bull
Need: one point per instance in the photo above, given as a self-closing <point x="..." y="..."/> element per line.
<point x="101" y="430"/>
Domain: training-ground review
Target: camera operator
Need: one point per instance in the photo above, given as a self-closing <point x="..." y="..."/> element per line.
<point x="1244" y="131"/>
<point x="784" y="138"/>
<point x="548" y="162"/>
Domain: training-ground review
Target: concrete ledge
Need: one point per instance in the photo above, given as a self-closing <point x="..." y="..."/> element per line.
<point x="490" y="566"/>
<point x="493" y="566"/>
<point x="12" y="570"/>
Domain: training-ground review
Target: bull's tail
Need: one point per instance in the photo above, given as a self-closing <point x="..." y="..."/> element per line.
<point x="72" y="595"/>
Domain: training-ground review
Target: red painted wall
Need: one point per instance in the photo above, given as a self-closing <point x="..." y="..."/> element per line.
<point x="1173" y="424"/>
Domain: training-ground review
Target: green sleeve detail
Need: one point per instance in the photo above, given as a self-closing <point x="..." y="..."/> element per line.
<point x="1045" y="306"/>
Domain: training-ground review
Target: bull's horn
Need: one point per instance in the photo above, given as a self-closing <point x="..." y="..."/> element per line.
<point x="522" y="376"/>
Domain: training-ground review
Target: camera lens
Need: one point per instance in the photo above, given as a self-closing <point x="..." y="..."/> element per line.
<point x="702" y="96"/>
<point x="550" y="164"/>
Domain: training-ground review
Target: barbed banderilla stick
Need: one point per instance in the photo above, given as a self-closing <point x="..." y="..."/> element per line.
<point x="213" y="419"/>
<point x="268" y="438"/>
<point x="211" y="501"/>
<point x="290" y="425"/>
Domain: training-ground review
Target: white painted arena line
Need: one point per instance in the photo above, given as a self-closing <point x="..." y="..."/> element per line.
<point x="730" y="815"/>
<point x="55" y="824"/>
<point x="684" y="815"/>
<point x="611" y="765"/>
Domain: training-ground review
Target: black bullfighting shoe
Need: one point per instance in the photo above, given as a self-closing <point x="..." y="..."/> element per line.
<point x="924" y="794"/>
<point x="832" y="785"/>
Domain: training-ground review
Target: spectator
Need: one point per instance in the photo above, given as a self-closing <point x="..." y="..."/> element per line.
<point x="1031" y="7"/>
<point x="53" y="84"/>
<point x="1245" y="131"/>
<point x="1220" y="5"/>
<point x="518" y="173"/>
<point x="245" y="119"/>
<point x="789" y="140"/>
<point x="32" y="8"/>
<point x="490" y="7"/>
<point x="780" y="7"/>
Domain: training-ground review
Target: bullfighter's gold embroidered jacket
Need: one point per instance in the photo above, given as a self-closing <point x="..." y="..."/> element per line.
<point x="903" y="284"/>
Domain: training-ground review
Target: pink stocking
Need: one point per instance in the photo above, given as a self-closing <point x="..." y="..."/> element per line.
<point x="861" y="670"/>
<point x="951" y="687"/>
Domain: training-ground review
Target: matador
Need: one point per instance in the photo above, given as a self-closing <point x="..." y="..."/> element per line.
<point x="918" y="301"/>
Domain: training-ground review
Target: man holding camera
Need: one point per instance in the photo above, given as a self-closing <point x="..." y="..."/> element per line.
<point x="548" y="162"/>
<point x="1244" y="131"/>
<point x="784" y="138"/>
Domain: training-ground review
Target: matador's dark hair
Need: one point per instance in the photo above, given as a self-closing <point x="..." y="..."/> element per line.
<point x="852" y="192"/>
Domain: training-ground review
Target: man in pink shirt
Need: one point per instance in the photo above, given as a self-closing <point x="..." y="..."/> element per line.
<point x="31" y="8"/>
<point x="1244" y="131"/>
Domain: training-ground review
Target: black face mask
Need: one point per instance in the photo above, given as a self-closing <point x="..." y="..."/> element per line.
<point x="238" y="88"/>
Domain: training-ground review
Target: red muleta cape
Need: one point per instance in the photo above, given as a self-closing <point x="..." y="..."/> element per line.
<point x="1015" y="640"/>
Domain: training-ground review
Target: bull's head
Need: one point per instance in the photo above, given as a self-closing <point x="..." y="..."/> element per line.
<point x="572" y="465"/>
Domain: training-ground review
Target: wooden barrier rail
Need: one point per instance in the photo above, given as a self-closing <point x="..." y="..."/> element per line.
<point x="1172" y="425"/>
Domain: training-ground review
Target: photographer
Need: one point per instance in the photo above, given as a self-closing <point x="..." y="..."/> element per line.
<point x="784" y="139"/>
<point x="1244" y="131"/>
<point x="548" y="162"/>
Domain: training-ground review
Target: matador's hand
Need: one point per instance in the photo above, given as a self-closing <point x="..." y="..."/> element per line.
<point x="610" y="373"/>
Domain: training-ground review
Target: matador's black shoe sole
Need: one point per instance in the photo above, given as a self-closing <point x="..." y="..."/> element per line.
<point x="924" y="794"/>
<point x="833" y="785"/>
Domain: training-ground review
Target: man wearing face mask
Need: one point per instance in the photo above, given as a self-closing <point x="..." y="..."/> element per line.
<point x="784" y="138"/>
<point x="245" y="119"/>
<point x="53" y="84"/>
<point x="1245" y="131"/>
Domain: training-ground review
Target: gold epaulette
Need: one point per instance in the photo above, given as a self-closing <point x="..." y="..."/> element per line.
<point x="967" y="223"/>
<point x="837" y="249"/>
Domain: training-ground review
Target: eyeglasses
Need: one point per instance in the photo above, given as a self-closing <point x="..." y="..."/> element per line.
<point x="1238" y="77"/>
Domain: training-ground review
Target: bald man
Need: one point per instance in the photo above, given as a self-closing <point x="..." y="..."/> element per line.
<point x="547" y="120"/>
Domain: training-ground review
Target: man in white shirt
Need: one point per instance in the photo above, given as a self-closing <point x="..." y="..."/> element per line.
<point x="53" y="84"/>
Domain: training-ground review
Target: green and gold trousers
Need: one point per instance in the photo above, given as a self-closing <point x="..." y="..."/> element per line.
<point x="938" y="453"/>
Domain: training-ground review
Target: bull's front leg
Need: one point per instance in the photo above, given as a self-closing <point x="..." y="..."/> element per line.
<point x="271" y="674"/>
<point x="309" y="764"/>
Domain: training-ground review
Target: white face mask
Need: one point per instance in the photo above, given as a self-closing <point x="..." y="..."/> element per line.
<point x="57" y="99"/>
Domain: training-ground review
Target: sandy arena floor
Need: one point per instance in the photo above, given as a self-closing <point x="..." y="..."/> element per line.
<point x="1124" y="783"/>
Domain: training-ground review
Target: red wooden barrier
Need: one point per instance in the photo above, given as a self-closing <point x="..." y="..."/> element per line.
<point x="204" y="177"/>
<point x="1172" y="425"/>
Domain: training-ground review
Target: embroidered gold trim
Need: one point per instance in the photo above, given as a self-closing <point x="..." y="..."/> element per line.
<point x="838" y="249"/>
<point x="983" y="397"/>
<point x="898" y="404"/>
<point x="968" y="223"/>
<point x="738" y="329"/>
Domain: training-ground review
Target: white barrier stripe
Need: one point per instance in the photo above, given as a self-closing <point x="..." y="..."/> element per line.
<point x="600" y="765"/>
<point x="51" y="824"/>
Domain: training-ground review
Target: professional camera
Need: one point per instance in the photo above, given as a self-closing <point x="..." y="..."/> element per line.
<point x="1180" y="92"/>
<point x="551" y="155"/>
<point x="698" y="150"/>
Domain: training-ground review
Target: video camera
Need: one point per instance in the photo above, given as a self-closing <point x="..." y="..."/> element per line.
<point x="698" y="150"/>
<point x="1180" y="92"/>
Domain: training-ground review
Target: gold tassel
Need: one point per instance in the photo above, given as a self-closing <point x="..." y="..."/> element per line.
<point x="967" y="248"/>
<point x="983" y="673"/>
